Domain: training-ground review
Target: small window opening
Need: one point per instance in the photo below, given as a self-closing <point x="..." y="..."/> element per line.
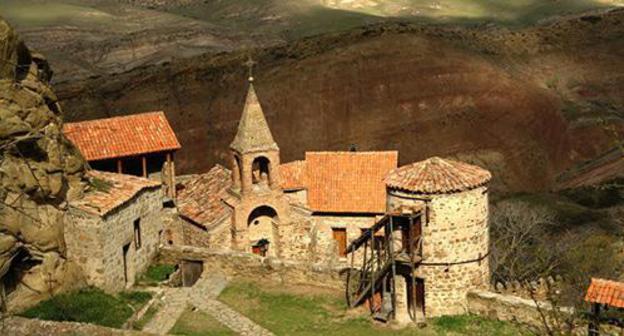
<point x="137" y="233"/>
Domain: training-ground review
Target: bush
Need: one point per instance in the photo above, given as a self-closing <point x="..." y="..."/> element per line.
<point x="157" y="273"/>
<point x="136" y="299"/>
<point x="89" y="305"/>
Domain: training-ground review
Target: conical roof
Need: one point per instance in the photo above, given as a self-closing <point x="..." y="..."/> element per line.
<point x="437" y="176"/>
<point x="253" y="131"/>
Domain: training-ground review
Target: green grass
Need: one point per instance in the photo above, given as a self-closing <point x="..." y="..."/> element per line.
<point x="149" y="314"/>
<point x="197" y="323"/>
<point x="287" y="313"/>
<point x="89" y="305"/>
<point x="156" y="273"/>
<point x="30" y="13"/>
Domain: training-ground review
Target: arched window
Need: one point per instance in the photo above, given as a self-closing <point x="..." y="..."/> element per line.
<point x="260" y="170"/>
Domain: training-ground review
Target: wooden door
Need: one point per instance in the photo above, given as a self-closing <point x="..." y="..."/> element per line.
<point x="191" y="271"/>
<point x="416" y="295"/>
<point x="340" y="236"/>
<point x="411" y="232"/>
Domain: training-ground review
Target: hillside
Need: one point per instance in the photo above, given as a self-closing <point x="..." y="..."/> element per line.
<point x="84" y="38"/>
<point x="530" y="91"/>
<point x="527" y="103"/>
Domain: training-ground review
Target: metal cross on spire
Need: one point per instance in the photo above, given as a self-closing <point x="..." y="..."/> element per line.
<point x="250" y="64"/>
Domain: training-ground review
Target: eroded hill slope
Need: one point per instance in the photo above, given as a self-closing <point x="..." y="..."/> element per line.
<point x="527" y="103"/>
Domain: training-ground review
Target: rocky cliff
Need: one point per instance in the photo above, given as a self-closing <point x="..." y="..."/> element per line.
<point x="40" y="172"/>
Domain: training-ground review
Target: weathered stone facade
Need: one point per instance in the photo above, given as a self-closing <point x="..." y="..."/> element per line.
<point x="329" y="200"/>
<point x="455" y="246"/>
<point x="107" y="247"/>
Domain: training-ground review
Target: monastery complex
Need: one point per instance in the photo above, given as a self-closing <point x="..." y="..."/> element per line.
<point x="410" y="241"/>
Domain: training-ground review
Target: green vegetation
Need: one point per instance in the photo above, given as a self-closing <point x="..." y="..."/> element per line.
<point x="149" y="314"/>
<point x="472" y="325"/>
<point x="197" y="323"/>
<point x="571" y="233"/>
<point x="301" y="312"/>
<point x="156" y="274"/>
<point x="297" y="18"/>
<point x="100" y="184"/>
<point x="37" y="13"/>
<point x="90" y="305"/>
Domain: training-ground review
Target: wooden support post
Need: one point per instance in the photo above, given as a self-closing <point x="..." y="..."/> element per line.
<point x="171" y="180"/>
<point x="412" y="269"/>
<point x="173" y="177"/>
<point x="593" y="328"/>
<point x="119" y="166"/>
<point x="394" y="313"/>
<point x="373" y="274"/>
<point x="144" y="165"/>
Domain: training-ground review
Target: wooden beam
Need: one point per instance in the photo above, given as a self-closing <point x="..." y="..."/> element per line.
<point x="144" y="164"/>
<point x="171" y="180"/>
<point x="119" y="166"/>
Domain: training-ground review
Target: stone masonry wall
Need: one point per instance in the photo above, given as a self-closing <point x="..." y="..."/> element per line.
<point x="510" y="308"/>
<point x="247" y="265"/>
<point x="96" y="244"/>
<point x="19" y="326"/>
<point x="326" y="247"/>
<point x="457" y="232"/>
<point x="217" y="237"/>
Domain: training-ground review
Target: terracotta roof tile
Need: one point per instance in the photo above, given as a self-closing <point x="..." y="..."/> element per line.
<point x="292" y="175"/>
<point x="201" y="197"/>
<point x="118" y="190"/>
<point x="348" y="182"/>
<point x="606" y="292"/>
<point x="437" y="176"/>
<point x="122" y="136"/>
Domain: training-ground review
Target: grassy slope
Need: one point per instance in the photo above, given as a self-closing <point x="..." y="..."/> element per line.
<point x="90" y="305"/>
<point x="297" y="18"/>
<point x="294" y="312"/>
<point x="197" y="323"/>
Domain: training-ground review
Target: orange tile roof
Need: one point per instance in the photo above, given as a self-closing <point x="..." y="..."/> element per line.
<point x="201" y="197"/>
<point x="120" y="189"/>
<point x="292" y="175"/>
<point x="437" y="176"/>
<point x="606" y="292"/>
<point x="348" y="182"/>
<point x="122" y="136"/>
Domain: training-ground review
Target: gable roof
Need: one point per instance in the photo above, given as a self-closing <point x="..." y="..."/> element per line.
<point x="606" y="292"/>
<point x="348" y="182"/>
<point x="253" y="130"/>
<point x="293" y="175"/>
<point x="437" y="176"/>
<point x="116" y="137"/>
<point x="201" y="197"/>
<point x="117" y="189"/>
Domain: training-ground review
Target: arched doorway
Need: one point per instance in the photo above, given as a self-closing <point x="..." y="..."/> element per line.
<point x="260" y="225"/>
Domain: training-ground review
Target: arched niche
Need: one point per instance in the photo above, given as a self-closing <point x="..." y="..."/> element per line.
<point x="260" y="227"/>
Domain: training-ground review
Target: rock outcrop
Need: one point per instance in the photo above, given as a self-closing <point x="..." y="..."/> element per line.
<point x="40" y="172"/>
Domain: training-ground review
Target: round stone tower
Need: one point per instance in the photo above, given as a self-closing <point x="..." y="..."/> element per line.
<point x="455" y="231"/>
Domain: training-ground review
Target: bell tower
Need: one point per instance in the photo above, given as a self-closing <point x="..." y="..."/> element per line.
<point x="255" y="155"/>
<point x="260" y="206"/>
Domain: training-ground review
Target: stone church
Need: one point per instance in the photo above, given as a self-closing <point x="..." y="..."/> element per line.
<point x="314" y="211"/>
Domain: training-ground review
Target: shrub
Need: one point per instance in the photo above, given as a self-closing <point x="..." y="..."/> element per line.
<point x="158" y="273"/>
<point x="89" y="305"/>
